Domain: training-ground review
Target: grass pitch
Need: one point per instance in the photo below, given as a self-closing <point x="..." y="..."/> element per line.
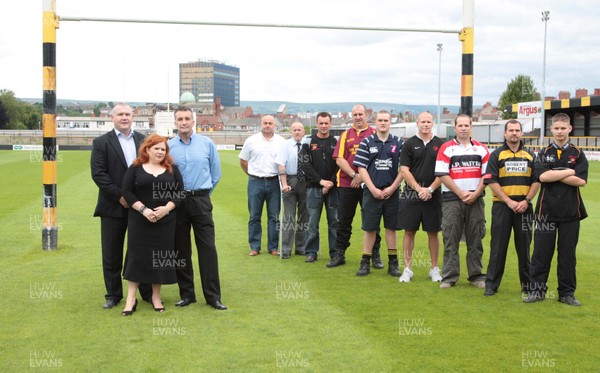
<point x="283" y="315"/>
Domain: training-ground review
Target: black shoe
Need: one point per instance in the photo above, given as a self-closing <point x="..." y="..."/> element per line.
<point x="393" y="269"/>
<point x="377" y="263"/>
<point x="218" y="305"/>
<point x="534" y="297"/>
<point x="285" y="256"/>
<point x="489" y="292"/>
<point x="300" y="252"/>
<point x="570" y="300"/>
<point x="130" y="312"/>
<point x="364" y="269"/>
<point x="311" y="258"/>
<point x="185" y="302"/>
<point x="376" y="259"/>
<point x="337" y="260"/>
<point x="110" y="303"/>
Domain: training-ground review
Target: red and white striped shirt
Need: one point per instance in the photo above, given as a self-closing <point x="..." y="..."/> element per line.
<point x="465" y="164"/>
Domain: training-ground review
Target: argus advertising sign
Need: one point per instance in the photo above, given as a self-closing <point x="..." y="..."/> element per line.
<point x="529" y="110"/>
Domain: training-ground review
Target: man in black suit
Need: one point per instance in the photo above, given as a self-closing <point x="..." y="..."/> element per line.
<point x="112" y="154"/>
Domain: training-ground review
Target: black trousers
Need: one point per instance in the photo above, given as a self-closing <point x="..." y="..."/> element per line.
<point x="349" y="198"/>
<point x="196" y="212"/>
<point x="504" y="222"/>
<point x="543" y="251"/>
<point x="112" y="234"/>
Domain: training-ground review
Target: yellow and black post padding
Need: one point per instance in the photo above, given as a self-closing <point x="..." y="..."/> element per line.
<point x="466" y="84"/>
<point x="49" y="220"/>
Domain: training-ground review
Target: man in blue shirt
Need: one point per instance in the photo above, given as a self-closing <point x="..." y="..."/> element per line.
<point x="378" y="163"/>
<point x="198" y="161"/>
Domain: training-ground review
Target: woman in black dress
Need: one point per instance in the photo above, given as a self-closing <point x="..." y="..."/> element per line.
<point x="152" y="187"/>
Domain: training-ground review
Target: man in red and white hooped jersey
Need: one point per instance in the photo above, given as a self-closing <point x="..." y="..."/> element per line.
<point x="461" y="165"/>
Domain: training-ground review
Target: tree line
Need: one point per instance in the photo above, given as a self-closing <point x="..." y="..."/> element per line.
<point x="17" y="114"/>
<point x="20" y="115"/>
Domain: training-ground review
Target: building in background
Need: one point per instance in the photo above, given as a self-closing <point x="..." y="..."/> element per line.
<point x="164" y="123"/>
<point x="207" y="80"/>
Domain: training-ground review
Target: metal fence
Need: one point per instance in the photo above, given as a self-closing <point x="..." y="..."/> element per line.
<point x="85" y="137"/>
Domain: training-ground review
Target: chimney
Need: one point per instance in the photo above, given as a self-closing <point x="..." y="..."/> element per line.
<point x="218" y="106"/>
<point x="596" y="91"/>
<point x="564" y="95"/>
<point x="580" y="92"/>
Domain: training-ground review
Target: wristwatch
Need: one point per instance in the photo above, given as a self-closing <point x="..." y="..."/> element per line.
<point x="430" y="189"/>
<point x="352" y="175"/>
<point x="528" y="200"/>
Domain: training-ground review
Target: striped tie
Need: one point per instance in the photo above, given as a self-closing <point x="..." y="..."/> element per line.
<point x="300" y="172"/>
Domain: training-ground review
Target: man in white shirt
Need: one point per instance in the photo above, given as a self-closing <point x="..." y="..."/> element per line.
<point x="257" y="159"/>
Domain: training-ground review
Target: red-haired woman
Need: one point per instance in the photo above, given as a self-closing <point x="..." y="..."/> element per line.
<point x="152" y="187"/>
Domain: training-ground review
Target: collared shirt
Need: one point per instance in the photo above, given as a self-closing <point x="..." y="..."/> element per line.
<point x="380" y="159"/>
<point x="198" y="161"/>
<point x="260" y="154"/>
<point x="288" y="156"/>
<point x="128" y="146"/>
<point x="419" y="157"/>
<point x="465" y="164"/>
<point x="346" y="148"/>
<point x="513" y="171"/>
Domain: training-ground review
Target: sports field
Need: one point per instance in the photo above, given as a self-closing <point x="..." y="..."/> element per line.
<point x="283" y="315"/>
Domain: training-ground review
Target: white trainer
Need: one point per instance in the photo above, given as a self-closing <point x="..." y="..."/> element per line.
<point x="434" y="275"/>
<point x="407" y="274"/>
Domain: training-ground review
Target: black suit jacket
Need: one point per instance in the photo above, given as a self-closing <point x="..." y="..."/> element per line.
<point x="108" y="166"/>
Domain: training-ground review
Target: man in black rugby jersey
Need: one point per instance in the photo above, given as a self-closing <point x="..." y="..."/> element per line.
<point x="421" y="199"/>
<point x="320" y="171"/>
<point x="562" y="169"/>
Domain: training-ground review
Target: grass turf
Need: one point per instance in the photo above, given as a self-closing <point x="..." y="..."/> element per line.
<point x="282" y="314"/>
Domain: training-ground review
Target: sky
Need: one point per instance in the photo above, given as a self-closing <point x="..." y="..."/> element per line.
<point x="135" y="62"/>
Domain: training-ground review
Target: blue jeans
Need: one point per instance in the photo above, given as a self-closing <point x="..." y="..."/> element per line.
<point x="314" y="203"/>
<point x="259" y="192"/>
